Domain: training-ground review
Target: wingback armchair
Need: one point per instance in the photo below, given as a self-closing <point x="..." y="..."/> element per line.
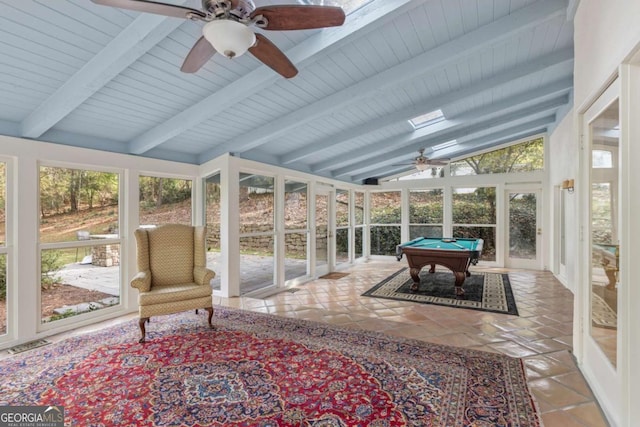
<point x="172" y="274"/>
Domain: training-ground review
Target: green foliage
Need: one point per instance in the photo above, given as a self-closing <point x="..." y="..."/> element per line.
<point x="51" y="263"/>
<point x="426" y="207"/>
<point x="416" y="231"/>
<point x="487" y="234"/>
<point x="342" y="242"/>
<point x="66" y="190"/>
<point x="522" y="221"/>
<point x="384" y="240"/>
<point x="476" y="207"/>
<point x="525" y="157"/>
<point x="427" y="213"/>
<point x="156" y="191"/>
<point x="386" y="215"/>
<point x="342" y="208"/>
<point x="385" y="207"/>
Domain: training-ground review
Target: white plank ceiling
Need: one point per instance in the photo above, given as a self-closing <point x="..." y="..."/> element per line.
<point x="76" y="73"/>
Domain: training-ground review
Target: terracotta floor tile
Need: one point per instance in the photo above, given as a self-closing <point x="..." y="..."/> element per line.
<point x="555" y="393"/>
<point x="547" y="346"/>
<point x="560" y="419"/>
<point x="574" y="380"/>
<point x="546" y="366"/>
<point x="512" y="349"/>
<point x="589" y="414"/>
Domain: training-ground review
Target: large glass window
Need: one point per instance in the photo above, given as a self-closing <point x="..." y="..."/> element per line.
<point x="296" y="216"/>
<point x="524" y="157"/>
<point x="474" y="216"/>
<point x="212" y="220"/>
<point x="257" y="233"/>
<point x="426" y="213"/>
<point x="164" y="200"/>
<point x="342" y="226"/>
<point x="385" y="222"/>
<point x="79" y="241"/>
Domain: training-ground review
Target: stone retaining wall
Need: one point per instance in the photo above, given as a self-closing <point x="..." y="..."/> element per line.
<point x="295" y="243"/>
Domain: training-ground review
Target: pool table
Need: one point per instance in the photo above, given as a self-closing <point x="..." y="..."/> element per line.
<point x="608" y="256"/>
<point x="454" y="253"/>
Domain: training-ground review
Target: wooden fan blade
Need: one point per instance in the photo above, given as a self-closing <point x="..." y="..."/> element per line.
<point x="152" y="7"/>
<point x="300" y="17"/>
<point x="199" y="54"/>
<point x="272" y="57"/>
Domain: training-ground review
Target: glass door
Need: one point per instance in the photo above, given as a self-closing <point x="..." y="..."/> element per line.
<point x="323" y="241"/>
<point x="524" y="233"/>
<point x="605" y="250"/>
<point x="257" y="232"/>
<point x="322" y="233"/>
<point x="600" y="286"/>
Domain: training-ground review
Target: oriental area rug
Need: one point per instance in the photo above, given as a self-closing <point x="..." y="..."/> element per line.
<point x="262" y="370"/>
<point x="483" y="291"/>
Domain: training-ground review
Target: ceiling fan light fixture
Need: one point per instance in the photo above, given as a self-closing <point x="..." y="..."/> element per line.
<point x="229" y="37"/>
<point x="422" y="166"/>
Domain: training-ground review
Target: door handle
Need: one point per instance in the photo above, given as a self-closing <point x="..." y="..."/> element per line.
<point x="539" y="231"/>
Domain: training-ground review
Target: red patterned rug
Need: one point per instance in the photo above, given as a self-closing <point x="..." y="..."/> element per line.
<point x="263" y="370"/>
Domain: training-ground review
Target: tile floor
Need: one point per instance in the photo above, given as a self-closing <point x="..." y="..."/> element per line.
<point x="541" y="334"/>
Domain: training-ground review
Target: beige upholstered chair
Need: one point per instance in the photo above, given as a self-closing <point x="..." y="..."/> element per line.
<point x="172" y="274"/>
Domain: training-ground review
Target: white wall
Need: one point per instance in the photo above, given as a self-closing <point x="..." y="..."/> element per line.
<point x="563" y="164"/>
<point x="605" y="33"/>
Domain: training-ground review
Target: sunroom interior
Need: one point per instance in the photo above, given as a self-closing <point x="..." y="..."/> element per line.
<point x="526" y="105"/>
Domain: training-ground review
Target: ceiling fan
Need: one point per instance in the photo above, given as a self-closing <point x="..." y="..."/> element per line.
<point x="227" y="27"/>
<point x="423" y="163"/>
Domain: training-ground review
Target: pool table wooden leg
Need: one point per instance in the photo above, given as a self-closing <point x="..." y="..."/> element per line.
<point x="432" y="269"/>
<point x="459" y="281"/>
<point x="415" y="275"/>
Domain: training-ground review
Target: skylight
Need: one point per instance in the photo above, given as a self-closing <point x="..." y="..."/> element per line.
<point x="427" y="119"/>
<point x="349" y="6"/>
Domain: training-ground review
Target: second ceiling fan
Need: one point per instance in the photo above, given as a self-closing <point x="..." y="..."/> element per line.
<point x="227" y="29"/>
<point x="422" y="162"/>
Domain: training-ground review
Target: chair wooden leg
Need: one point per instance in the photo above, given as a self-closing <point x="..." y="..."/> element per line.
<point x="210" y="310"/>
<point x="141" y="323"/>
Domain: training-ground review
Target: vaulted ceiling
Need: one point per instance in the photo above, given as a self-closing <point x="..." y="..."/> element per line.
<point x="77" y="73"/>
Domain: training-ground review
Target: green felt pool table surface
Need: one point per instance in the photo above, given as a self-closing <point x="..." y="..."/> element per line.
<point x="452" y="244"/>
<point x="456" y="254"/>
